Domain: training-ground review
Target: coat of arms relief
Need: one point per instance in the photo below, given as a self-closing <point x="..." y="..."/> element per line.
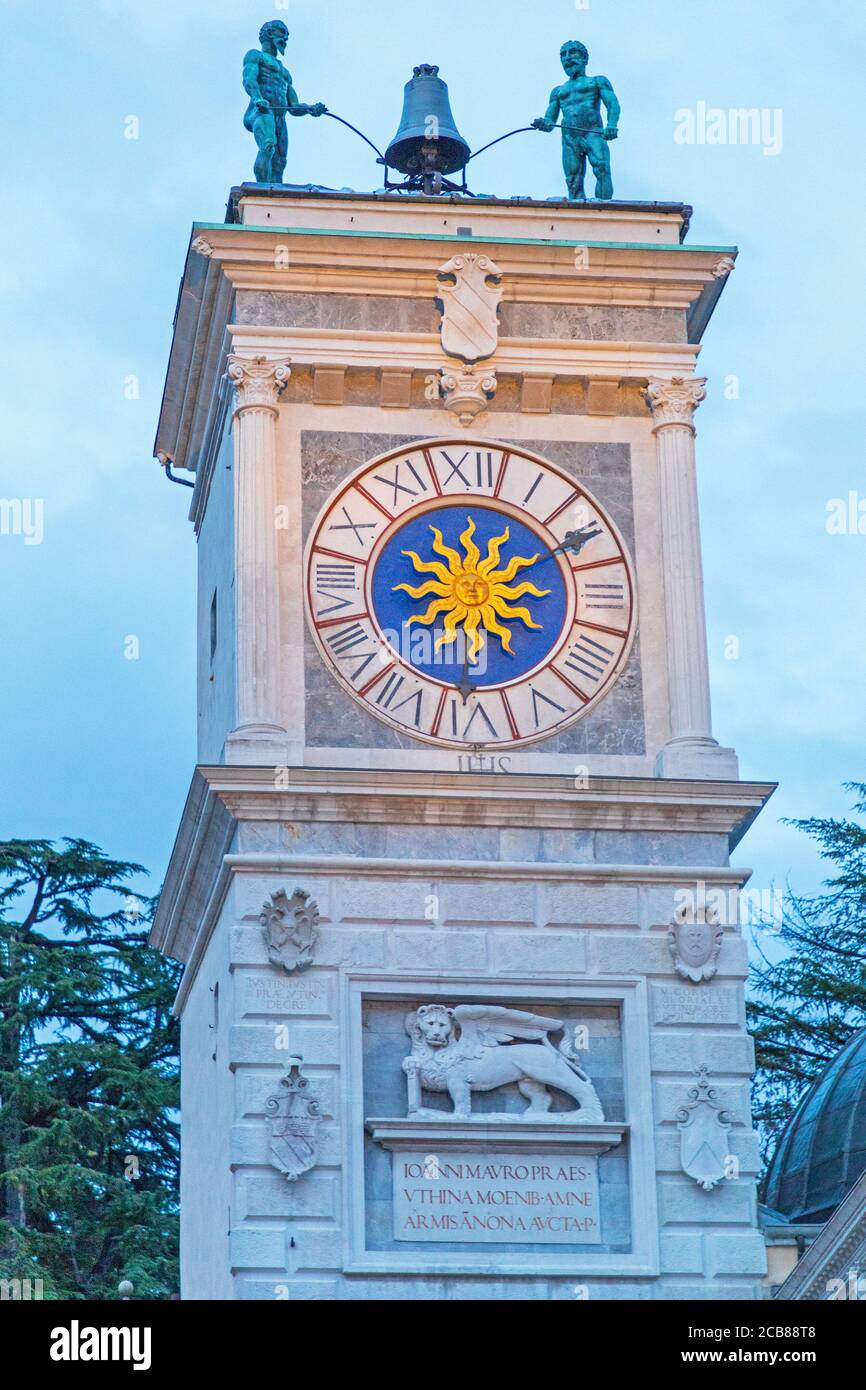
<point x="289" y="926"/>
<point x="294" y="1117"/>
<point x="695" y="941"/>
<point x="473" y="1048"/>
<point x="470" y="289"/>
<point x="705" y="1149"/>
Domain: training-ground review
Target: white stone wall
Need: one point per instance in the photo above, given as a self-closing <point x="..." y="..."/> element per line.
<point x="207" y="1109"/>
<point x="216" y="678"/>
<point x="288" y="1239"/>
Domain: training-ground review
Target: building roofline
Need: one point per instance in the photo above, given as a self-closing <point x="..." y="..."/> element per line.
<point x="312" y="191"/>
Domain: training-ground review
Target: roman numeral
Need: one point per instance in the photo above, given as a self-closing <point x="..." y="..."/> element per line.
<point x="386" y="697"/>
<point x="399" y="486"/>
<point x="478" y="710"/>
<point x="344" y="644"/>
<point x="532" y="489"/>
<point x="482" y="469"/>
<point x="389" y="690"/>
<point x="356" y="527"/>
<point x="589" y="658"/>
<point x="347" y="638"/>
<point x="605" y="595"/>
<point x="456" y="468"/>
<point x="418" y="697"/>
<point x="536" y="696"/>
<point x="334" y="577"/>
<point x="329" y="579"/>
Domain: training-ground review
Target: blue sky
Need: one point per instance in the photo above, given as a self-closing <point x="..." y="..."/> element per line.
<point x="95" y="228"/>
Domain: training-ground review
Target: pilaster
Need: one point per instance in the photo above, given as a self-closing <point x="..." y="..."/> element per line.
<point x="258" y="735"/>
<point x="691" y="750"/>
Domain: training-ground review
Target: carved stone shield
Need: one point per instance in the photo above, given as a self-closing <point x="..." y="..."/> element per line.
<point x="703" y="1127"/>
<point x="469" y="295"/>
<point x="289" y="928"/>
<point x="695" y="940"/>
<point x="293" y="1122"/>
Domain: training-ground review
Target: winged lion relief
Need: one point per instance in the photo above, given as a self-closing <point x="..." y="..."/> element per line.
<point x="473" y="1047"/>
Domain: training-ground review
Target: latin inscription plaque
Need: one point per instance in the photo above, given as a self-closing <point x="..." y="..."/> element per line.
<point x="545" y="1199"/>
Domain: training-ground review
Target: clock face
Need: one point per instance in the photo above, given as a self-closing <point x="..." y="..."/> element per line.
<point x="469" y="595"/>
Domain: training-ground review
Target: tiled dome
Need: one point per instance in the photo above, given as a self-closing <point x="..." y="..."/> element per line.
<point x="822" y="1151"/>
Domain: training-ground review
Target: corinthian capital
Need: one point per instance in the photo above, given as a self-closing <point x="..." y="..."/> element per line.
<point x="258" y="381"/>
<point x="674" y="402"/>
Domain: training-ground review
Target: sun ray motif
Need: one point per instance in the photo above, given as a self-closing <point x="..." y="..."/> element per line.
<point x="494" y="545"/>
<point x="473" y="554"/>
<point x="472" y="591"/>
<point x="454" y="562"/>
<point x="514" y="564"/>
<point x="429" y="566"/>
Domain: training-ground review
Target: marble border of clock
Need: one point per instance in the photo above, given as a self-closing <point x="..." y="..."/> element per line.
<point x="469" y="594"/>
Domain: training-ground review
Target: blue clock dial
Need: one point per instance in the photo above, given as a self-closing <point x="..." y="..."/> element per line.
<point x="459" y="589"/>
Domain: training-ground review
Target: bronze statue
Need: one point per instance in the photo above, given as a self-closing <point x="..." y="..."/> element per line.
<point x="272" y="96"/>
<point x="579" y="102"/>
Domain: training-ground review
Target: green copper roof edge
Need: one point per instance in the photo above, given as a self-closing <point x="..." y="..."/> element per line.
<point x="453" y="236"/>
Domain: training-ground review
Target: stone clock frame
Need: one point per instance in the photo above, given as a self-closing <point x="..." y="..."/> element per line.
<point x="550" y="531"/>
<point x="629" y="996"/>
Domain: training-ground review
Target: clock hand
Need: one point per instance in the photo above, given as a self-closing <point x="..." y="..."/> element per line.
<point x="574" y="542"/>
<point x="465" y="685"/>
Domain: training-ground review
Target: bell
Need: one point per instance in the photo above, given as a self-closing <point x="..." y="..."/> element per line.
<point x="427" y="142"/>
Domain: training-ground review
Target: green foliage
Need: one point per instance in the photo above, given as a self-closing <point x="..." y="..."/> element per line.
<point x="89" y="1135"/>
<point x="810" y="997"/>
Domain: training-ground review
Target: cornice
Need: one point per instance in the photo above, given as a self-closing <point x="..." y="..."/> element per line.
<point x="549" y="801"/>
<point x="337" y="261"/>
<point x="195" y="869"/>
<point x="511" y="870"/>
<point x="223" y="259"/>
<point x="202" y="862"/>
<point x="600" y="291"/>
<point x="422" y="352"/>
<point x="192" y="380"/>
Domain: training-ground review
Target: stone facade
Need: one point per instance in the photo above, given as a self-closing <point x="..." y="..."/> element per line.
<point x="543" y="882"/>
<point x="536" y="931"/>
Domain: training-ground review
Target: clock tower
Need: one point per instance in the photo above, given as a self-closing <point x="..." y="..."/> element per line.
<point x="463" y="1009"/>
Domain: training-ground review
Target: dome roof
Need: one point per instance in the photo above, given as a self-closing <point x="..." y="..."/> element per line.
<point x="822" y="1151"/>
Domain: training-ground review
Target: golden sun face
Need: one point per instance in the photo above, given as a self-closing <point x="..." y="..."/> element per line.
<point x="472" y="591"/>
